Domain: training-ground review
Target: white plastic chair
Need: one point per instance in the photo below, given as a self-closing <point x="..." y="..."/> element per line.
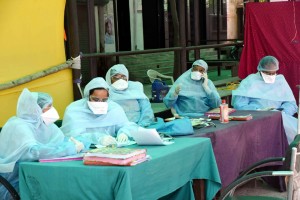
<point x="152" y="74"/>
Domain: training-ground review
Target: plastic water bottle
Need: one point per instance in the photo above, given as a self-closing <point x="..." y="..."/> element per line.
<point x="224" y="112"/>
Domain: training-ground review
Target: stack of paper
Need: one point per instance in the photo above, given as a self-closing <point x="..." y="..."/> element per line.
<point x="61" y="159"/>
<point x="115" y="156"/>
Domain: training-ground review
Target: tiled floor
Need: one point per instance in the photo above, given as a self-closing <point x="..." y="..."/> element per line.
<point x="260" y="188"/>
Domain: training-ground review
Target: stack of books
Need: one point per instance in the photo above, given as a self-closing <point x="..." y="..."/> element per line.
<point x="115" y="156"/>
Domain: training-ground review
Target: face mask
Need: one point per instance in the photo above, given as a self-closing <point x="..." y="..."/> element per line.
<point x="196" y="75"/>
<point x="50" y="116"/>
<point x="120" y="84"/>
<point x="98" y="108"/>
<point x="268" y="78"/>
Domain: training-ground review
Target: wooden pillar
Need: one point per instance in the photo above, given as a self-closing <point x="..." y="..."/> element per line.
<point x="92" y="37"/>
<point x="182" y="35"/>
<point x="73" y="37"/>
<point x="196" y="28"/>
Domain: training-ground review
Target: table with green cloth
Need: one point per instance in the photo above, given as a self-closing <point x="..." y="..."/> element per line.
<point x="168" y="175"/>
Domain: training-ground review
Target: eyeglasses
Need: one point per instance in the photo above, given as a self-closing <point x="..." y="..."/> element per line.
<point x="119" y="76"/>
<point x="96" y="99"/>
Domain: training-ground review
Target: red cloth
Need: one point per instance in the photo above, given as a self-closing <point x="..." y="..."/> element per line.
<point x="273" y="28"/>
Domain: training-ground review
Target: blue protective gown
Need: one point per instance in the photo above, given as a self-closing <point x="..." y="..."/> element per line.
<point x="133" y="100"/>
<point x="25" y="137"/>
<point x="192" y="100"/>
<point x="254" y="94"/>
<point x="80" y="122"/>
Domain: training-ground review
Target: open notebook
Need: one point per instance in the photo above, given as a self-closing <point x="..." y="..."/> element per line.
<point x="145" y="136"/>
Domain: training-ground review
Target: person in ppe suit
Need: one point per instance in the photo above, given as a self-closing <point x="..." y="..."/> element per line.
<point x="96" y="118"/>
<point x="129" y="95"/>
<point x="31" y="135"/>
<point x="193" y="93"/>
<point x="267" y="90"/>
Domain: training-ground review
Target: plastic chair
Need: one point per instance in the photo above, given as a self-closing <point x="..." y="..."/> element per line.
<point x="10" y="188"/>
<point x="152" y="74"/>
<point x="290" y="169"/>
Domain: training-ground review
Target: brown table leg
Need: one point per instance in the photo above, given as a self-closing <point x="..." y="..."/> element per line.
<point x="199" y="189"/>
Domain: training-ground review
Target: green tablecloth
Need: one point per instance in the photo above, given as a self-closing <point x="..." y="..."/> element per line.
<point x="171" y="167"/>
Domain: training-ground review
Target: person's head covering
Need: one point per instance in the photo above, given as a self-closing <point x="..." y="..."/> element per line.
<point x="116" y="69"/>
<point x="28" y="107"/>
<point x="268" y="63"/>
<point x="43" y="99"/>
<point x="98" y="82"/>
<point x="201" y="63"/>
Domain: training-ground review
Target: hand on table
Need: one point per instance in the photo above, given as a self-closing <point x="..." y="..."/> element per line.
<point x="78" y="145"/>
<point x="107" y="140"/>
<point x="122" y="137"/>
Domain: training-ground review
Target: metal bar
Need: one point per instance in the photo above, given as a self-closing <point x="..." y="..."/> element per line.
<point x="125" y="53"/>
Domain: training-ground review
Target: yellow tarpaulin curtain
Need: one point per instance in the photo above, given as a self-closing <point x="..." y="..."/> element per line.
<point x="32" y="40"/>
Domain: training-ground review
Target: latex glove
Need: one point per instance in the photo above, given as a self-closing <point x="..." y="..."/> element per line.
<point x="122" y="137"/>
<point x="78" y="145"/>
<point x="107" y="140"/>
<point x="205" y="82"/>
<point x="177" y="89"/>
<point x="173" y="111"/>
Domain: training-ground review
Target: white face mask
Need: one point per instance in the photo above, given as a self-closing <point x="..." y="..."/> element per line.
<point x="120" y="84"/>
<point x="50" y="116"/>
<point x="268" y="78"/>
<point x="98" y="108"/>
<point x="196" y="75"/>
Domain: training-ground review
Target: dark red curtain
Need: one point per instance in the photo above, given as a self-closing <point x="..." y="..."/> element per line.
<point x="273" y="28"/>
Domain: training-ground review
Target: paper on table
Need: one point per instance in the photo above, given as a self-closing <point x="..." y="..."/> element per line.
<point x="66" y="158"/>
<point x="145" y="136"/>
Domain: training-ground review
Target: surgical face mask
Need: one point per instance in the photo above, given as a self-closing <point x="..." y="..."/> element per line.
<point x="120" y="84"/>
<point x="50" y="116"/>
<point x="196" y="75"/>
<point x="268" y="78"/>
<point x="98" y="108"/>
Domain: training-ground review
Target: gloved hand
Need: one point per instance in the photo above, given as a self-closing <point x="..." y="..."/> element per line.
<point x="107" y="140"/>
<point x="205" y="83"/>
<point x="177" y="89"/>
<point x="122" y="137"/>
<point x="78" y="145"/>
<point x="173" y="111"/>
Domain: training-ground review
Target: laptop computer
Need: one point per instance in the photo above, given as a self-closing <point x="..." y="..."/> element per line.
<point x="145" y="136"/>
